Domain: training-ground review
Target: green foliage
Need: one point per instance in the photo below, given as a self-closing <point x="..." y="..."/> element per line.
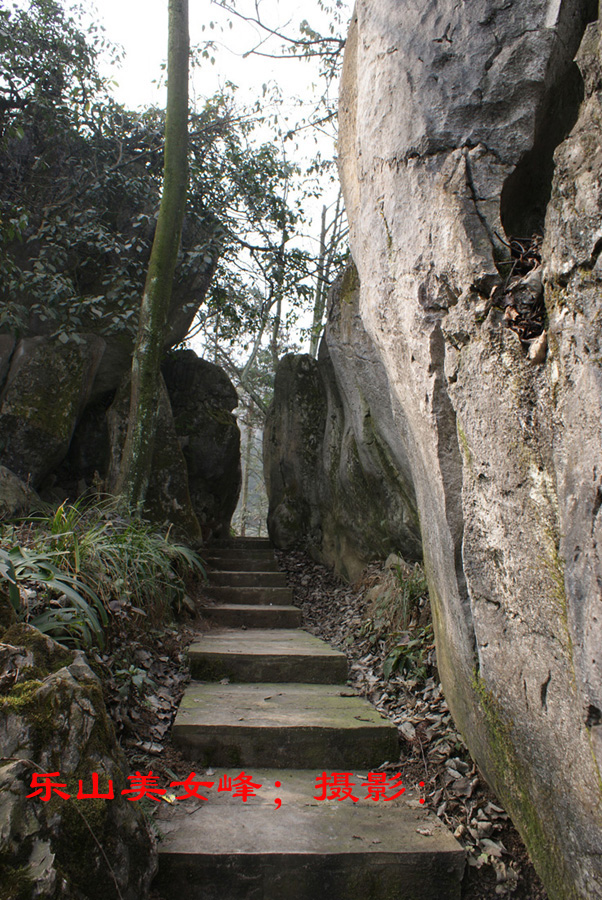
<point x="54" y="116"/>
<point x="80" y="182"/>
<point x="410" y="656"/>
<point x="78" y="212"/>
<point x="77" y="616"/>
<point x="133" y="677"/>
<point x="397" y="605"/>
<point x="51" y="561"/>
<point x="394" y="601"/>
<point x="47" y="61"/>
<point x="412" y="587"/>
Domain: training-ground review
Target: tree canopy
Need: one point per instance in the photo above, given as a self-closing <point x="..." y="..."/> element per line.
<point x="80" y="184"/>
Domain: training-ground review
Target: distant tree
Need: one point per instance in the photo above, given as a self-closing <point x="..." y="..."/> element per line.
<point x="323" y="254"/>
<point x="332" y="249"/>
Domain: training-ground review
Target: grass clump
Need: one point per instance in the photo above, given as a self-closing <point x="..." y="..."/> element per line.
<point x="72" y="570"/>
<point x="394" y="599"/>
<point x="397" y="619"/>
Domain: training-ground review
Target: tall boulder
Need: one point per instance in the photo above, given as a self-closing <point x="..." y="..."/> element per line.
<point x="336" y="470"/>
<point x="46" y="388"/>
<point x="292" y="453"/>
<point x="202" y="399"/>
<point x="196" y="476"/>
<point x="168" y="496"/>
<point x="449" y="118"/>
<point x="384" y="518"/>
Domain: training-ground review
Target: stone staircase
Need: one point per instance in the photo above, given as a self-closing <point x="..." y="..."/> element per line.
<point x="269" y="700"/>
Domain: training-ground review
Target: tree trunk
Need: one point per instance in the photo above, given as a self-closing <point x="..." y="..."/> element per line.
<point x="138" y="450"/>
<point x="328" y="248"/>
<point x="275" y="333"/>
<point x="320" y="297"/>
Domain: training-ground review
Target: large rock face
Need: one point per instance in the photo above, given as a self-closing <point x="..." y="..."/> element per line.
<point x="53" y="719"/>
<point x="450" y="115"/>
<point x="59" y="434"/>
<point x="47" y="386"/>
<point x="336" y="470"/>
<point x="202" y="399"/>
<point x="292" y="446"/>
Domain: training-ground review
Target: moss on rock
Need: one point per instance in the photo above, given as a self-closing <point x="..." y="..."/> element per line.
<point x="98" y="848"/>
<point x="519" y="792"/>
<point x="47" y="387"/>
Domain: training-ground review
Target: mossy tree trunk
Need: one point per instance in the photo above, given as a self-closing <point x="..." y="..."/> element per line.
<point x="137" y="455"/>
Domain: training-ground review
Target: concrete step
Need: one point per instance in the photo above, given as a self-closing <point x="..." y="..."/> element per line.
<point x="253" y="543"/>
<point x="238" y="615"/>
<point x="249" y="579"/>
<point x="283" y="725"/>
<point x="238" y="552"/>
<point x="305" y="849"/>
<point x="264" y="563"/>
<point x="248" y="596"/>
<point x="277" y="654"/>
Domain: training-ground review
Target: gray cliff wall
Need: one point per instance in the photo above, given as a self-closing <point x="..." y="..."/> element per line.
<point x="337" y="474"/>
<point x="450" y="116"/>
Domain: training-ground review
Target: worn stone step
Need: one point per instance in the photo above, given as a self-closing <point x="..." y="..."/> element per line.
<point x="253" y="543"/>
<point x="264" y="563"/>
<point x="249" y="579"/>
<point x="305" y="849"/>
<point x="283" y="655"/>
<point x="264" y="596"/>
<point x="238" y="552"/>
<point x="238" y="615"/>
<point x="294" y="725"/>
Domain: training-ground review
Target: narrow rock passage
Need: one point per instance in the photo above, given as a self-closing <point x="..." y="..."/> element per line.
<point x="349" y="617"/>
<point x="273" y="719"/>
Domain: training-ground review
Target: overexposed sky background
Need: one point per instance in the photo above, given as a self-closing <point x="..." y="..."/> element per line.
<point x="140" y="27"/>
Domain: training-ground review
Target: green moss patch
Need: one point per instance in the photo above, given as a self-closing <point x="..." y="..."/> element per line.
<point x="514" y="785"/>
<point x="15" y="881"/>
<point x="48" y="656"/>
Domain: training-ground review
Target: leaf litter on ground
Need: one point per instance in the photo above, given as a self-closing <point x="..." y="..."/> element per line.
<point x="385" y="630"/>
<point x="152" y="665"/>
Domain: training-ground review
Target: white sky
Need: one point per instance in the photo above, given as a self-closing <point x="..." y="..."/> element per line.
<point x="140" y="28"/>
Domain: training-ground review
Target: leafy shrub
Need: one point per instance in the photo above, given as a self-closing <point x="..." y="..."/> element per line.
<point x="77" y="616"/>
<point x="394" y="600"/>
<point x="397" y="619"/>
<point x="411" y="656"/>
<point x="70" y="570"/>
